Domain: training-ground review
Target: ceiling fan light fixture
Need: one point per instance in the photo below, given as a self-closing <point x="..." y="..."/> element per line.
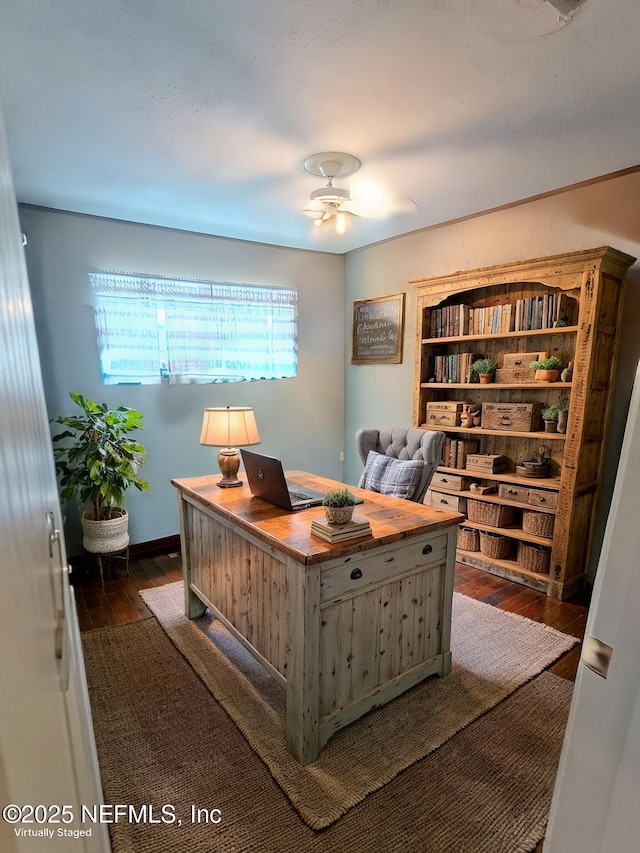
<point x="331" y="165"/>
<point x="330" y="194"/>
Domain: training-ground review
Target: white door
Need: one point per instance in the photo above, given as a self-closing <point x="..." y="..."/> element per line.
<point x="47" y="751"/>
<point x="596" y="803"/>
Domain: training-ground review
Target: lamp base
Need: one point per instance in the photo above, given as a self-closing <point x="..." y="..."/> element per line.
<point x="229" y="462"/>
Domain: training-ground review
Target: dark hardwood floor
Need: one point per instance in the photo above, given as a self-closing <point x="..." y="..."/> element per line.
<point x="118" y="601"/>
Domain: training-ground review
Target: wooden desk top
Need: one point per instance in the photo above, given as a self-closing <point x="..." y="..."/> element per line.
<point x="391" y="519"/>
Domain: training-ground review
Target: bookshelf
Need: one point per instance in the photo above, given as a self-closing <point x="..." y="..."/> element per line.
<point x="566" y="305"/>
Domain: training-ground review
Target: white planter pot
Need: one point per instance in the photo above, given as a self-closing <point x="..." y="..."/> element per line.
<point x="338" y="514"/>
<point x="107" y="536"/>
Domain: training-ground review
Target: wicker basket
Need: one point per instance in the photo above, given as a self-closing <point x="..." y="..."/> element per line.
<point x="494" y="545"/>
<point x="107" y="536"/>
<point x="494" y="515"/>
<point x="468" y="539"/>
<point x="538" y="523"/>
<point x="534" y="558"/>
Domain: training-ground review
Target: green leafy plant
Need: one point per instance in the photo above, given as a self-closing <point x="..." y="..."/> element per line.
<point x="553" y="363"/>
<point x="563" y="404"/>
<point x="339" y="497"/>
<point x="484" y="365"/>
<point x="551" y="412"/>
<point x="96" y="458"/>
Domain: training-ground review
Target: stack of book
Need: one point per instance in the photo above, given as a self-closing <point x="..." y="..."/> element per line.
<point x="354" y="529"/>
<point x="454" y="367"/>
<point x="455" y="451"/>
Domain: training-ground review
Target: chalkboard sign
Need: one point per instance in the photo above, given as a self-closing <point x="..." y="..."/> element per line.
<point x="376" y="337"/>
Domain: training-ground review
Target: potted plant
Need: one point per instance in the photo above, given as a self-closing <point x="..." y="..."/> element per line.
<point x="550" y="417"/>
<point x="547" y="369"/>
<point x="338" y="506"/>
<point x="97" y="460"/>
<point x="485" y="368"/>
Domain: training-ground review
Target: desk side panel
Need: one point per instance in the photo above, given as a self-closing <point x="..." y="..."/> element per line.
<point x="379" y="635"/>
<point x="248" y="585"/>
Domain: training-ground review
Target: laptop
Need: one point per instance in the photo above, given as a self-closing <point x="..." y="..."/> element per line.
<point x="266" y="479"/>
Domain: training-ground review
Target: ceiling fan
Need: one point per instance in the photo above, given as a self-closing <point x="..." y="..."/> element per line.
<point x="329" y="202"/>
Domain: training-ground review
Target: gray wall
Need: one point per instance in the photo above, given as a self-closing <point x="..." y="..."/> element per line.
<point x="300" y="420"/>
<point x="309" y="420"/>
<point x="606" y="213"/>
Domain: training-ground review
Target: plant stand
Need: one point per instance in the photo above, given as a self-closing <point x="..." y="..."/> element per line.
<point x="104" y="559"/>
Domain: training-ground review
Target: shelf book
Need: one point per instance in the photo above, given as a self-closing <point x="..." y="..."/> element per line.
<point x="354" y="529"/>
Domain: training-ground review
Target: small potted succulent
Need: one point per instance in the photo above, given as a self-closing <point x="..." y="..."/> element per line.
<point x="547" y="369"/>
<point x="486" y="369"/>
<point x="338" y="506"/>
<point x="550" y="417"/>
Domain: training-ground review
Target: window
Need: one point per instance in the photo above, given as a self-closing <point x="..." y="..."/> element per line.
<point x="153" y="330"/>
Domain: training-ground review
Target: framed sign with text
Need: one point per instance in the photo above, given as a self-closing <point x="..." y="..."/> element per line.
<point x="378" y="324"/>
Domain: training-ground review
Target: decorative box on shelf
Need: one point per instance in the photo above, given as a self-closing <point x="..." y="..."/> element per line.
<point x="446" y="406"/>
<point x="518" y="360"/>
<point x="492" y="463"/>
<point x="443" y="419"/>
<point x="515" y="376"/>
<point x="520" y="417"/>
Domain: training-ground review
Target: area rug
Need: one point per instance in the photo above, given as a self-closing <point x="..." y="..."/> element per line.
<point x="494" y="653"/>
<point x="165" y="743"/>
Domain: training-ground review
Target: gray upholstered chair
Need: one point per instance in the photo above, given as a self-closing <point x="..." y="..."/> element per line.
<point x="403" y="444"/>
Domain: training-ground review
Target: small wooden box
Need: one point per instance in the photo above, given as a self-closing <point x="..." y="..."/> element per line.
<point x="521" y="359"/>
<point x="511" y="492"/>
<point x="492" y="463"/>
<point x="520" y="417"/>
<point x="543" y="498"/>
<point x="445" y="406"/>
<point x="450" y="481"/>
<point x="442" y="418"/>
<point x="477" y="489"/>
<point x="515" y="375"/>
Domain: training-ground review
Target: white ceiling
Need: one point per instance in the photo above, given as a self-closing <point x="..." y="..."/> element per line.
<point x="199" y="114"/>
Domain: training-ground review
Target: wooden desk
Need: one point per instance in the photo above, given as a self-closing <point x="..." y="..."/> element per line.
<point x="345" y="627"/>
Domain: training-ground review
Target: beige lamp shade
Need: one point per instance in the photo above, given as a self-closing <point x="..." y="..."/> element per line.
<point x="229" y="428"/>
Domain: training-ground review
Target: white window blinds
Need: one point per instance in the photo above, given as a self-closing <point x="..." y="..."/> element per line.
<point x="156" y="329"/>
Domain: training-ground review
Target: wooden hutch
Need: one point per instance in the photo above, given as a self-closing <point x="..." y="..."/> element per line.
<point x="566" y="305"/>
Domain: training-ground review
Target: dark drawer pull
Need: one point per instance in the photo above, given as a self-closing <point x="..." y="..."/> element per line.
<point x="356" y="574"/>
<point x="427" y="549"/>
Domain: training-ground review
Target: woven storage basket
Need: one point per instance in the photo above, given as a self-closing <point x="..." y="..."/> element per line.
<point x="495" y="515"/>
<point x="534" y="558"/>
<point x="468" y="539"/>
<point x="494" y="545"/>
<point x="107" y="536"/>
<point x="538" y="523"/>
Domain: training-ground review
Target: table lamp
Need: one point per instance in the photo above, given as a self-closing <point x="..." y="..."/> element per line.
<point x="228" y="429"/>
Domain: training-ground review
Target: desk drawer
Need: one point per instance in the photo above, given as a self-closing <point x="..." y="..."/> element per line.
<point x="355" y="574"/>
